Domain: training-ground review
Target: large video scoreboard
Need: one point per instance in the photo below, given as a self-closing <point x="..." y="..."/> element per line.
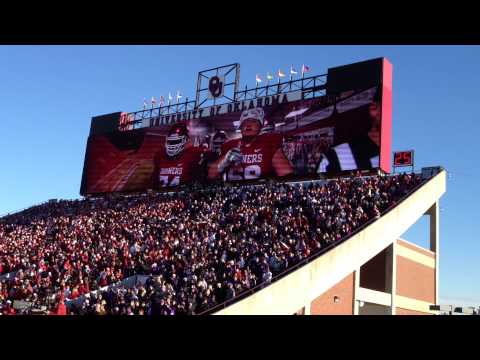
<point x="321" y="125"/>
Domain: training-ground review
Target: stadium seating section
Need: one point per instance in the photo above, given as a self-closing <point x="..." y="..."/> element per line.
<point x="198" y="248"/>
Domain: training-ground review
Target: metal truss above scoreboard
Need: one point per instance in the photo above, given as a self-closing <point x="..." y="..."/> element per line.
<point x="217" y="85"/>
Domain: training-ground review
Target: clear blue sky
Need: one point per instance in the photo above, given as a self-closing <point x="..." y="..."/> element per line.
<point x="49" y="93"/>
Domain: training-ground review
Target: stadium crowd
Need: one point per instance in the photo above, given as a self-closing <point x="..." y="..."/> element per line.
<point x="306" y="154"/>
<point x="200" y="247"/>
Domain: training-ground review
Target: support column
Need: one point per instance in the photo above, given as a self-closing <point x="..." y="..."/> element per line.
<point x="394" y="278"/>
<point x="391" y="274"/>
<point x="435" y="241"/>
<point x="356" y="284"/>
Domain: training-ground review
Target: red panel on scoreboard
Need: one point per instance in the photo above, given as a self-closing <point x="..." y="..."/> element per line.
<point x="386" y="130"/>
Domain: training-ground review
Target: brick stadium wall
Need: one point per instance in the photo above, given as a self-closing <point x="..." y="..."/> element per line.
<point x="324" y="304"/>
<point x="415" y="280"/>
<point x="418" y="249"/>
<point x="400" y="311"/>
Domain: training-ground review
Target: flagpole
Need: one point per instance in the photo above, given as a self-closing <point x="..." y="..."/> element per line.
<point x="145" y="106"/>
<point x="278" y="84"/>
<point x="303" y="73"/>
<point x="169" y="103"/>
<point x="291" y="77"/>
<point x="269" y="77"/>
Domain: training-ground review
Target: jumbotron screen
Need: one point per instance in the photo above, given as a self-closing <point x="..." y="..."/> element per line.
<point x="281" y="138"/>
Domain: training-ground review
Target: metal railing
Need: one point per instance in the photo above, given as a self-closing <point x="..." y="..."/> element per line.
<point x="312" y="86"/>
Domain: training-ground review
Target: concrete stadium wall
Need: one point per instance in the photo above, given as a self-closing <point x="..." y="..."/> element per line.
<point x="294" y="291"/>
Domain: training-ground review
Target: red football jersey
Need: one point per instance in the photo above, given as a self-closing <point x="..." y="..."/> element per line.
<point x="256" y="157"/>
<point x="178" y="171"/>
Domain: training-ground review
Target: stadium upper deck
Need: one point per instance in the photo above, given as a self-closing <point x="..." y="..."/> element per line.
<point x="206" y="249"/>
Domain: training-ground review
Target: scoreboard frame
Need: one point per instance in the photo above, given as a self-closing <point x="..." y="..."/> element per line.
<point x="398" y="156"/>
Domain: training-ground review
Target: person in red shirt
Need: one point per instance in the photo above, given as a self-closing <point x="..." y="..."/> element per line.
<point x="8" y="309"/>
<point x="178" y="162"/>
<point x="255" y="155"/>
<point x="83" y="288"/>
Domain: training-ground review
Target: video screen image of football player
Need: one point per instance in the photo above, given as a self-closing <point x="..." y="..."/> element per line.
<point x="255" y="155"/>
<point x="363" y="151"/>
<point x="218" y="139"/>
<point x="268" y="127"/>
<point x="212" y="147"/>
<point x="179" y="162"/>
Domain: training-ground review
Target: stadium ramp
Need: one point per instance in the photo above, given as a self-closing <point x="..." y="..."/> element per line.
<point x="300" y="287"/>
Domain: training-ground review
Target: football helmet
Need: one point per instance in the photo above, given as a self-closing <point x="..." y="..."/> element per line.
<point x="219" y="138"/>
<point x="177" y="137"/>
<point x="268" y="127"/>
<point x="255" y="113"/>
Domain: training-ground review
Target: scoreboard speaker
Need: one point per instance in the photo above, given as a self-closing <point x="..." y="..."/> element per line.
<point x="105" y="124"/>
<point x="359" y="75"/>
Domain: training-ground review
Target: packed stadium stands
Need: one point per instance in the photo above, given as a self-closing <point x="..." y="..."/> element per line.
<point x="198" y="247"/>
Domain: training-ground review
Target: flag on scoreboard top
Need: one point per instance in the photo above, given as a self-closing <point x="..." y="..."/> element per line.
<point x="145" y="104"/>
<point x="178" y="95"/>
<point x="293" y="71"/>
<point x="161" y="100"/>
<point x="305" y="69"/>
<point x="258" y="79"/>
<point x="280" y="73"/>
<point x="170" y="98"/>
<point x="154" y="101"/>
<point x="269" y="76"/>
